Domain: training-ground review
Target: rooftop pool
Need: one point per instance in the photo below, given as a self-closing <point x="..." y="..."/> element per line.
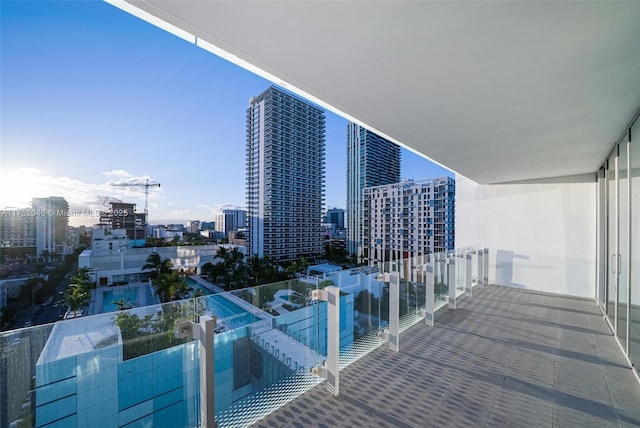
<point x="196" y="286"/>
<point x="110" y="296"/>
<point x="232" y="315"/>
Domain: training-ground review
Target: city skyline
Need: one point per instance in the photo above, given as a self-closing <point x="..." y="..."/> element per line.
<point x="83" y="110"/>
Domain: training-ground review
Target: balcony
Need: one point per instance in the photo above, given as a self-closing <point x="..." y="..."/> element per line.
<point x="496" y="355"/>
<point x="505" y="357"/>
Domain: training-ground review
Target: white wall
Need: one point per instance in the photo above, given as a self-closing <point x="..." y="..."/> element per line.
<point x="541" y="233"/>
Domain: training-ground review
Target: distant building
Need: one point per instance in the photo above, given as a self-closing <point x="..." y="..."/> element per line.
<point x="52" y="221"/>
<point x="193" y="226"/>
<point x="238" y="237"/>
<point x="109" y="239"/>
<point x="408" y="219"/>
<point x="230" y="220"/>
<point x="17" y="228"/>
<point x="285" y="176"/>
<point x="208" y="225"/>
<point x="371" y="161"/>
<point x="124" y="216"/>
<point x="168" y="231"/>
<point x="335" y="216"/>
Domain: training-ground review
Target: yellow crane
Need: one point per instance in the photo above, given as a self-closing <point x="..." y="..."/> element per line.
<point x="146" y="186"/>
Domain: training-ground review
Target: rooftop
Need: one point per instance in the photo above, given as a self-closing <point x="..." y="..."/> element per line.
<point x="506" y="357"/>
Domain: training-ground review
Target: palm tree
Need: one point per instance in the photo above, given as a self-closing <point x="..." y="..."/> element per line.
<point x="83" y="277"/>
<point x="122" y="304"/>
<point x="76" y="297"/>
<point x="293" y="269"/>
<point x="157" y="265"/>
<point x="170" y="286"/>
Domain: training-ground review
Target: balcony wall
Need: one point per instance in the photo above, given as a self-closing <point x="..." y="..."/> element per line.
<point x="542" y="233"/>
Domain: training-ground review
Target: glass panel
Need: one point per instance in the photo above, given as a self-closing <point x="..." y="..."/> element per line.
<point x="612" y="250"/>
<point x="440" y="288"/>
<point x="602" y="239"/>
<point x="634" y="333"/>
<point x="88" y="371"/>
<point x="623" y="243"/>
<point x="412" y="297"/>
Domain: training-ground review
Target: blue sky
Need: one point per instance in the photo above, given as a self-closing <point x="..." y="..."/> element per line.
<point x="90" y="95"/>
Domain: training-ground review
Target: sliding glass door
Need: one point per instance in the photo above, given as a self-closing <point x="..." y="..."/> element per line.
<point x="618" y="237"/>
<point x="612" y="237"/>
<point x="634" y="233"/>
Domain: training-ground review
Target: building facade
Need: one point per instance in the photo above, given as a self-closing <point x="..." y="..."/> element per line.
<point x="408" y="219"/>
<point x="230" y="220"/>
<point x="52" y="221"/>
<point x="17" y="228"/>
<point x="335" y="216"/>
<point x="285" y="176"/>
<point x="371" y="161"/>
<point x="123" y="215"/>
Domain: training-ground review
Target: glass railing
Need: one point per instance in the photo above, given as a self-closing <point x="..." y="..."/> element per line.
<point x="132" y="367"/>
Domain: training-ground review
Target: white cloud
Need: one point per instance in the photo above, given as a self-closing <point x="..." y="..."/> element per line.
<point x="116" y="173"/>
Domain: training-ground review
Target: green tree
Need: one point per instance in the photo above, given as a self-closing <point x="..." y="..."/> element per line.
<point x="170" y="287"/>
<point x="82" y="277"/>
<point x="122" y="304"/>
<point x="76" y="297"/>
<point x="157" y="265"/>
<point x="150" y="333"/>
<point x="265" y="295"/>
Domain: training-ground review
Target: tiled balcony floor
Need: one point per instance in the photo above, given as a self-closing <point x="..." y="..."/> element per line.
<point x="506" y="357"/>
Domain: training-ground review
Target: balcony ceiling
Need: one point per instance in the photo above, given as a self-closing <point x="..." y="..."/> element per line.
<point x="496" y="91"/>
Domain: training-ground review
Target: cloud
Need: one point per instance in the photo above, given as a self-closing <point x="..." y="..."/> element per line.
<point x="116" y="173"/>
<point x="220" y="207"/>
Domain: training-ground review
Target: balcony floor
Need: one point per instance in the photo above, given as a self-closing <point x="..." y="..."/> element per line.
<point x="506" y="357"/>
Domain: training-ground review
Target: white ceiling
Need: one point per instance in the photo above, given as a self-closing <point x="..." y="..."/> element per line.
<point x="496" y="91"/>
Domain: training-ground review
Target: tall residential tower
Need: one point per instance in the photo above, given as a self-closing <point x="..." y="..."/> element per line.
<point x="285" y="176"/>
<point x="371" y="161"/>
<point x="52" y="220"/>
<point x="408" y="219"/>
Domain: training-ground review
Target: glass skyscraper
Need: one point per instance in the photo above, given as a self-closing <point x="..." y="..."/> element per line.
<point x="371" y="161"/>
<point x="285" y="176"/>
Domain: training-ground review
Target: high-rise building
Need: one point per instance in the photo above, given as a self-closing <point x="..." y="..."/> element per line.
<point x="408" y="219"/>
<point x="17" y="228"/>
<point x="371" y="161"/>
<point x="52" y="220"/>
<point x="230" y="220"/>
<point x="123" y="215"/>
<point x="335" y="216"/>
<point x="285" y="176"/>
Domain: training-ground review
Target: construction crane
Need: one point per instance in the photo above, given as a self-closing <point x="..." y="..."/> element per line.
<point x="146" y="186"/>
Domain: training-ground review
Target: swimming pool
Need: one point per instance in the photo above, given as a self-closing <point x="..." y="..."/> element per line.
<point x="109" y="296"/>
<point x="231" y="314"/>
<point x="197" y="286"/>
